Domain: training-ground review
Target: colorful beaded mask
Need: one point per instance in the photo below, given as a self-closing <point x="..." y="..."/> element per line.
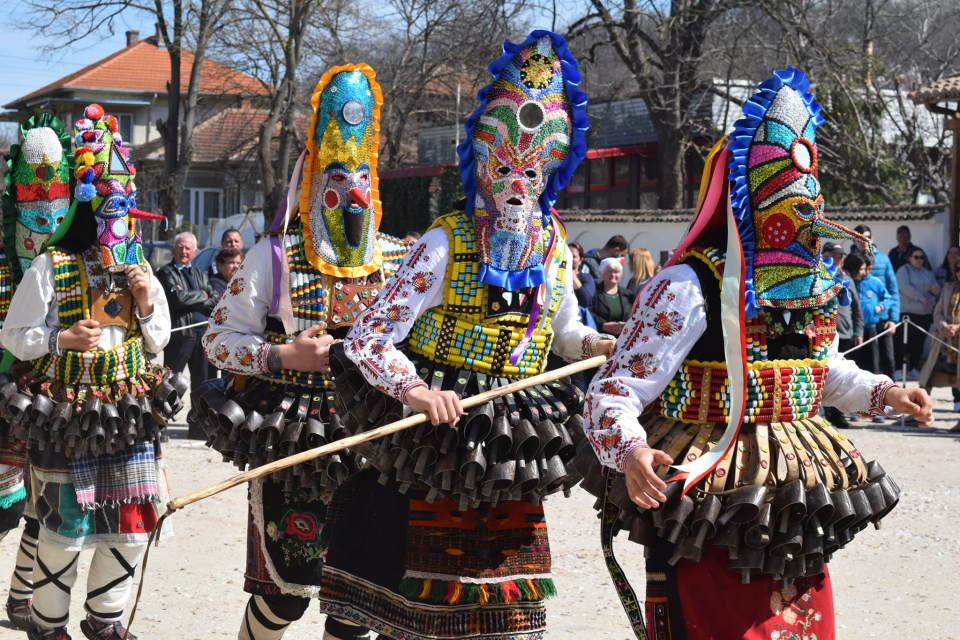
<point x="339" y="203"/>
<point x="38" y="188"/>
<point x="105" y="180"/>
<point x="522" y="145"/>
<point x="776" y="197"/>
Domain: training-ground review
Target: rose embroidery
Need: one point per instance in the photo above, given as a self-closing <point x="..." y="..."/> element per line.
<point x="301" y="525"/>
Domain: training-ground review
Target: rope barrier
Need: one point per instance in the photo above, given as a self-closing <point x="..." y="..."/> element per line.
<point x="876" y="337"/>
<point x="190" y="326"/>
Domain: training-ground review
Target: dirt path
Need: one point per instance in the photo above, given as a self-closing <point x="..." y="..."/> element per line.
<point x="898" y="582"/>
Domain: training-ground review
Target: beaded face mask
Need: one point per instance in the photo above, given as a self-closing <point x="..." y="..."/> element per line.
<point x="777" y="196"/>
<point x="105" y="180"/>
<point x="523" y="144"/>
<point x="340" y="203"/>
<point x="39" y="187"/>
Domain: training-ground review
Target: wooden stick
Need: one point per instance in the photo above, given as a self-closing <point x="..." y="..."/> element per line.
<point x="366" y="436"/>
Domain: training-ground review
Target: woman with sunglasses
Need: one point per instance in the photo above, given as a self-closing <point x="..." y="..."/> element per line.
<point x="918" y="295"/>
<point x="943" y="366"/>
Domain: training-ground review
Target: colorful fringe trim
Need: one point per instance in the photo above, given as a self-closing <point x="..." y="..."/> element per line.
<point x="453" y="592"/>
<point x="12" y="498"/>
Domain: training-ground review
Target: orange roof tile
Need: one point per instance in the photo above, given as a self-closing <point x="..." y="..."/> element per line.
<point x="143" y="66"/>
<point x="228" y="135"/>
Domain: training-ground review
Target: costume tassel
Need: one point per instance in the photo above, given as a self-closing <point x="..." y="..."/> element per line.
<point x="454" y="591"/>
<point x="426" y="589"/>
<point x="511" y="592"/>
<point x="484" y="594"/>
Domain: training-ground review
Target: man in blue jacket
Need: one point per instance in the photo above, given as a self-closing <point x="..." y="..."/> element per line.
<point x="883" y="271"/>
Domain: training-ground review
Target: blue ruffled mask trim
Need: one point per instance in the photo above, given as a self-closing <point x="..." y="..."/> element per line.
<point x="532" y="276"/>
<point x="578" y="144"/>
<point x="754" y="111"/>
<point x="844" y="296"/>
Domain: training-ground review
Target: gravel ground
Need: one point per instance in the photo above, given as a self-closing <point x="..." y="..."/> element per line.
<point x="898" y="582"/>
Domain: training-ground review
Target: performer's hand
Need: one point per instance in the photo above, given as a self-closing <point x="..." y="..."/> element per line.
<point x="306" y="352"/>
<point x="139" y="283"/>
<point x="440" y="406"/>
<point x="83" y="336"/>
<point x="643" y="485"/>
<point x="605" y="347"/>
<point x="915" y="402"/>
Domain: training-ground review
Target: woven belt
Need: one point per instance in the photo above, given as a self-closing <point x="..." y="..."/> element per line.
<point x="698" y="392"/>
<point x="94" y="367"/>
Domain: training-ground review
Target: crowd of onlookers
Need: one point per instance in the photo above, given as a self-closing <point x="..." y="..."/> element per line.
<point x="885" y="289"/>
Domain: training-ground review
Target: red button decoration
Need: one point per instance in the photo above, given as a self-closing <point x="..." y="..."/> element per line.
<point x="778" y="231"/>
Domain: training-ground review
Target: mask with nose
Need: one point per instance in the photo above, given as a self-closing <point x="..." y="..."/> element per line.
<point x="777" y="201"/>
<point x="523" y="144"/>
<point x="339" y="205"/>
<point x="105" y="180"/>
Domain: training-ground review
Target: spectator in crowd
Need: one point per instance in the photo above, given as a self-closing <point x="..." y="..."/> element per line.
<point x="849" y="322"/>
<point x="918" y="295"/>
<point x="411" y="238"/>
<point x="584" y="286"/>
<point x="612" y="303"/>
<point x="945" y="272"/>
<point x="942" y="367"/>
<point x="616" y="247"/>
<point x="641" y="270"/>
<point x="900" y="254"/>
<point x="191" y="300"/>
<point x="890" y="347"/>
<point x="230" y="239"/>
<point x="872" y="296"/>
<point x="228" y="261"/>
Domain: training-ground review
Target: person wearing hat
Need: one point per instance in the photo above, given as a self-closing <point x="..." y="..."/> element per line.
<point x="900" y="254"/>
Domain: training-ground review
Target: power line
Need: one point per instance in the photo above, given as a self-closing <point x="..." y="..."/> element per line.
<point x="7" y="55"/>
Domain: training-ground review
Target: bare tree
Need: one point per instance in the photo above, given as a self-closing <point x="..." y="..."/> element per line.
<point x="180" y="23"/>
<point x="663" y="47"/>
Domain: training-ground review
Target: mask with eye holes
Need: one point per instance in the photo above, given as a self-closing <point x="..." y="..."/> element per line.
<point x="777" y="196"/>
<point x="38" y="195"/>
<point x="339" y="205"/>
<point x="523" y="146"/>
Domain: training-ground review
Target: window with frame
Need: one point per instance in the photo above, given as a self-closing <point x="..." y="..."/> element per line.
<point x="578" y="180"/>
<point x="621" y="171"/>
<point x="125" y="127"/>
<point x="599" y="174"/>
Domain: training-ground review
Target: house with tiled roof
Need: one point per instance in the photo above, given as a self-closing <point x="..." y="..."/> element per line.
<point x="132" y="85"/>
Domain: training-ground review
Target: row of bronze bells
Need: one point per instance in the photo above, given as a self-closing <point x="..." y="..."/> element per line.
<point x="784" y="533"/>
<point x="493" y="455"/>
<point x="92" y="427"/>
<point x="251" y="440"/>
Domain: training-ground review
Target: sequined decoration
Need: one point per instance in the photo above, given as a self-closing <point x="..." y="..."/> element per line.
<point x="521" y="138"/>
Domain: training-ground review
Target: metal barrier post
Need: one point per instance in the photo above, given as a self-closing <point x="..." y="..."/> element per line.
<point x="906" y="359"/>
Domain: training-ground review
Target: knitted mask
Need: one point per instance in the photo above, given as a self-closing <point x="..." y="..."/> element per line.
<point x="777" y="200"/>
<point x="339" y="204"/>
<point x="105" y="180"/>
<point x="38" y="188"/>
<point x="523" y="144"/>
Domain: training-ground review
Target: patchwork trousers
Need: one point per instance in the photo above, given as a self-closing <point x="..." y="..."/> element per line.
<point x="108" y="584"/>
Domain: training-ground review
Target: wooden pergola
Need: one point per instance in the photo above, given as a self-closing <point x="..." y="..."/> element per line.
<point x="937" y="98"/>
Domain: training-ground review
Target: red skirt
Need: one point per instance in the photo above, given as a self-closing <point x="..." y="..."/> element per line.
<point x="706" y="601"/>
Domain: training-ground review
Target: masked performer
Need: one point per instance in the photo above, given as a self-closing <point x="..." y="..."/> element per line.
<point x="479" y="300"/>
<point x="722" y="369"/>
<point x="86" y="401"/>
<point x="273" y="326"/>
<point x="35" y="201"/>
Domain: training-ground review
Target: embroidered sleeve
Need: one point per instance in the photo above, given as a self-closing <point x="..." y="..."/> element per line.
<point x="234" y="337"/>
<point x="572" y="340"/>
<point x="32" y="317"/>
<point x="853" y="390"/>
<point x="156" y="329"/>
<point x="417" y="286"/>
<point x="668" y="319"/>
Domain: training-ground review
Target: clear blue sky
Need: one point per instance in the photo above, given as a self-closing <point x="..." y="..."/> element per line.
<point x="25" y="65"/>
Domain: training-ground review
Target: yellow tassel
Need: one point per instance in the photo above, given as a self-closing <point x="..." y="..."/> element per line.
<point x="534" y="590"/>
<point x="426" y="588"/>
<point x="484" y="594"/>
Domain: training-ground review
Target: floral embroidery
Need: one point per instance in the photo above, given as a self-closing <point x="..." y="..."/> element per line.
<point x="642" y="365"/>
<point x="210" y="337"/>
<point x="614" y="388"/>
<point x="222" y="352"/>
<point x="668" y="323"/>
<point x="244" y="356"/>
<point x="220" y="315"/>
<point x="236" y="286"/>
<point x="422" y="281"/>
<point x="796" y="613"/>
<point x="397" y="313"/>
<point x="606" y="441"/>
<point x="300" y="533"/>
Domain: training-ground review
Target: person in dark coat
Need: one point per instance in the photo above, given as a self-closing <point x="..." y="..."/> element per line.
<point x="612" y="303"/>
<point x="191" y="299"/>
